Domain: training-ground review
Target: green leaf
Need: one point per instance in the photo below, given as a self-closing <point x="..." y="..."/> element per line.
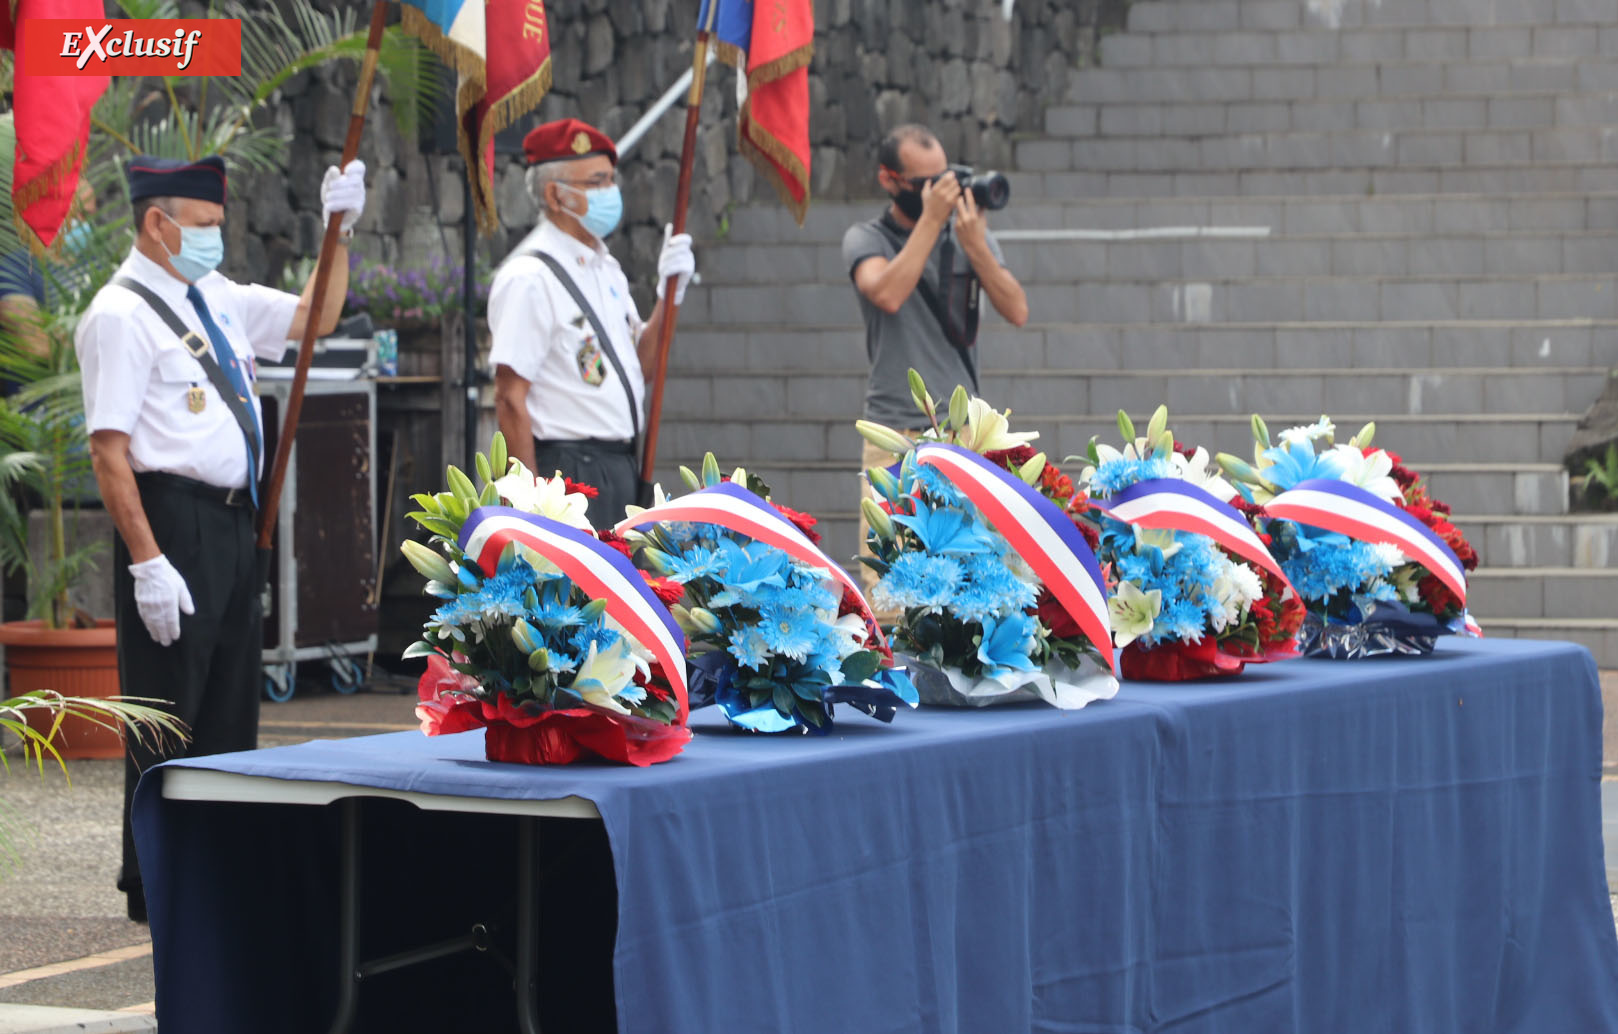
<point x="437" y="525"/>
<point x="419" y="649"/>
<point x="783" y="698"/>
<point x="860" y="666"/>
<point x="427" y="502"/>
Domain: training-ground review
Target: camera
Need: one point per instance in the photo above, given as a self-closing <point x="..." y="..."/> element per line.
<point x="991" y="190"/>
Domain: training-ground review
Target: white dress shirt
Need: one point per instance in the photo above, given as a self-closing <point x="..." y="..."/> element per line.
<point x="540" y="333"/>
<point x="139" y="377"/>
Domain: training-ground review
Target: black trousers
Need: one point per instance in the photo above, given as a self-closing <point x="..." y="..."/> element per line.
<point x="610" y="466"/>
<point x="211" y="674"/>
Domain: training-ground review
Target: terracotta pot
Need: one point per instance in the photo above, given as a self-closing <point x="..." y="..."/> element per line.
<point x="81" y="662"/>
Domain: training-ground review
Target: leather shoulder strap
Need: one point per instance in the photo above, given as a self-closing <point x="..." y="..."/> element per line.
<point x="566" y="281"/>
<point x="202" y="352"/>
<point x="929" y="296"/>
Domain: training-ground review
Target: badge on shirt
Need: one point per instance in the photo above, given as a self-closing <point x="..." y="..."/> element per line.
<point x="592" y="367"/>
<point x="196" y="400"/>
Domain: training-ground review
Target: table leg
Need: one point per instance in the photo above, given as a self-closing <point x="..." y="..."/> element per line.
<point x="527" y="926"/>
<point x="348" y="918"/>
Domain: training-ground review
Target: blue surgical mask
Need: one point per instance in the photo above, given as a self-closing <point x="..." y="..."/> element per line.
<point x="202" y="248"/>
<point x="606" y="209"/>
<point x="76" y="238"/>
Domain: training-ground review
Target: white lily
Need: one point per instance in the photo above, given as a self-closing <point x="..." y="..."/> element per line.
<point x="1132" y="612"/>
<point x="1369" y="471"/>
<point x="988" y="430"/>
<point x="1195" y="470"/>
<point x="604" y="674"/>
<point x="547" y="497"/>
<point x="1162" y="538"/>
<point x="1322" y="428"/>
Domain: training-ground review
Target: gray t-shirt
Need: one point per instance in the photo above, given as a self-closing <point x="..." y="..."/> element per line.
<point x="911" y="337"/>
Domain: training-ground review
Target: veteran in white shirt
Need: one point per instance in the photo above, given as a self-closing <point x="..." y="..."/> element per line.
<point x="169" y="351"/>
<point x="569" y="347"/>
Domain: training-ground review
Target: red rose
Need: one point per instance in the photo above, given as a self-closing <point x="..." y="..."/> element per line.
<point x="616" y="541"/>
<point x="1055" y="617"/>
<point x="805" y="522"/>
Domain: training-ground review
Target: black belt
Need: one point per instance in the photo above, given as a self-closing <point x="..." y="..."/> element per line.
<point x="627" y="447"/>
<point x="191" y="486"/>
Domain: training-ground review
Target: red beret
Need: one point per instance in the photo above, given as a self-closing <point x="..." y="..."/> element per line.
<point x="564" y="139"/>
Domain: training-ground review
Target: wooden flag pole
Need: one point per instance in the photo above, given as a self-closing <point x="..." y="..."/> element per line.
<point x="271" y="500"/>
<point x="682" y="200"/>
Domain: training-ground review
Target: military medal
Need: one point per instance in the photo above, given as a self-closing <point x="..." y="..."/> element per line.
<point x="196" y="399"/>
<point x="591" y="365"/>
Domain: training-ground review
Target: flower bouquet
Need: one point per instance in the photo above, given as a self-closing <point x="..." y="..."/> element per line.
<point x="1374" y="556"/>
<point x="1184" y="604"/>
<point x="547" y="636"/>
<point x="778" y="632"/>
<point x="974" y="537"/>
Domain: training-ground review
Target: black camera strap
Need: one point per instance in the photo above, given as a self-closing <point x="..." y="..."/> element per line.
<point x="601" y="332"/>
<point x="961" y="338"/>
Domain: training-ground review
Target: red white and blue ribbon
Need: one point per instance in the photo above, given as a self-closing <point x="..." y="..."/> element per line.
<point x="601" y="571"/>
<point x="1037" y="530"/>
<point x="731" y="506"/>
<point x="1175" y="505"/>
<point x="1351" y="510"/>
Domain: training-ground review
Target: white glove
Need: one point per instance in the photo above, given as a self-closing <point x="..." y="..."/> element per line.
<point x="161" y="597"/>
<point x="675" y="260"/>
<point x="343" y="192"/>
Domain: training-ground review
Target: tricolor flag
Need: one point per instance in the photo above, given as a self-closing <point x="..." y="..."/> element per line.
<point x="731" y="506"/>
<point x="770" y="42"/>
<point x="1038" y="530"/>
<point x="501" y="52"/>
<point x="1351" y="510"/>
<point x="598" y="569"/>
<point x="52" y="119"/>
<point x="1176" y="505"/>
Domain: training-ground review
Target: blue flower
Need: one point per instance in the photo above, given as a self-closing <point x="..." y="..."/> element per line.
<point x="1297" y="461"/>
<point x="747" y="567"/>
<point x="1182" y="620"/>
<point x="497" y="598"/>
<point x="944" y="529"/>
<point x="1006" y="644"/>
<point x="919" y="580"/>
<point x="747" y="645"/>
<point x="939" y="487"/>
<point x="990" y="589"/>
<point x="1115" y="475"/>
<point x="789" y="631"/>
<point x="695" y="563"/>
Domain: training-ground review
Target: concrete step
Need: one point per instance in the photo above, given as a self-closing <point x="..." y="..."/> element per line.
<point x="1055" y="297"/>
<point x="1503" y="24"/>
<point x="1185" y="389"/>
<point x="1523" y="178"/>
<point x="1032" y="254"/>
<point x="1285" y="213"/>
<point x="1393" y="148"/>
<point x="1510" y="115"/>
<point x="1397" y="72"/>
<point x="1598" y="635"/>
<point x="1439" y="345"/>
<point x="1517" y="540"/>
<point x="1511" y="440"/>
<point x="1557" y="593"/>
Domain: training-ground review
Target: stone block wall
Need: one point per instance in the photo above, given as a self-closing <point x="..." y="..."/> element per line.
<point x="981" y="82"/>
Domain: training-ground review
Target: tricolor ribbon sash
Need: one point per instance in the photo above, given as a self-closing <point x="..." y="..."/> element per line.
<point x="1350" y="510"/>
<point x="731" y="506"/>
<point x="1038" y="530"/>
<point x="1175" y="505"/>
<point x="598" y="569"/>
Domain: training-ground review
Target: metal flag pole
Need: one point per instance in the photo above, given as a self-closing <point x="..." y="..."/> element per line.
<point x="271" y="499"/>
<point x="682" y="199"/>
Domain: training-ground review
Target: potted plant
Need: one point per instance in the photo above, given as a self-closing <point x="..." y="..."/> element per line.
<point x="44" y="458"/>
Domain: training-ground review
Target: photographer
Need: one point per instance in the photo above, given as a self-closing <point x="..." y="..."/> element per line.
<point x="920" y="280"/>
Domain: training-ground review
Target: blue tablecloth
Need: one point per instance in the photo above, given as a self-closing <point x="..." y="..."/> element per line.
<point x="1399" y="846"/>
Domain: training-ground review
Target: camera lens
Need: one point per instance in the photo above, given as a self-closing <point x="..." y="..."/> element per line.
<point x="991" y="190"/>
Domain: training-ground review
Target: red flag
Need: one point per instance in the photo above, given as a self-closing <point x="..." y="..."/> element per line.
<point x="501" y="50"/>
<point x="52" y="119"/>
<point x="773" y="127"/>
<point x="771" y="42"/>
<point x="518" y="77"/>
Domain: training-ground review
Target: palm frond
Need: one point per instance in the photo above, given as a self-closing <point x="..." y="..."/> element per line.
<point x="139" y="718"/>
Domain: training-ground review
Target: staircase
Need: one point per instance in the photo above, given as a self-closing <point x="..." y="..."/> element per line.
<point x="1404" y="212"/>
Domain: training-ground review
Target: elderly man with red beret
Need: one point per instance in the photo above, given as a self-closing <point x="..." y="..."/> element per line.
<point x="569" y="345"/>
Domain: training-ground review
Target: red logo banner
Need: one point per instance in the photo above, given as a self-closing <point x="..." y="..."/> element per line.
<point x="122" y="46"/>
